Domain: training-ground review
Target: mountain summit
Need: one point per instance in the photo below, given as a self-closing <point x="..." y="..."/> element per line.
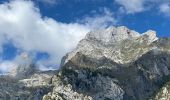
<point x="120" y="44"/>
<point x="112" y="34"/>
<point x="116" y="34"/>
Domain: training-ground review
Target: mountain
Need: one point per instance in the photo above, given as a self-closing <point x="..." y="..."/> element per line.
<point x="108" y="64"/>
<point x="114" y="64"/>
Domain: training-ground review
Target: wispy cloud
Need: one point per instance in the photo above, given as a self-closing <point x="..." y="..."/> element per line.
<point x="5" y="66"/>
<point x="131" y="6"/>
<point x="107" y="18"/>
<point x="165" y="9"/>
<point x="137" y="6"/>
<point x="50" y="2"/>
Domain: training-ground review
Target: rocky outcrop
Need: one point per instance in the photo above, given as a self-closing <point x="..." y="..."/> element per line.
<point x="163" y="93"/>
<point x="30" y="88"/>
<point x="86" y="88"/>
<point x="62" y="91"/>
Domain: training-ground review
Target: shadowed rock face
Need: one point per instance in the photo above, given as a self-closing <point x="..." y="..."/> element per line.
<point x="115" y="64"/>
<point x="138" y="80"/>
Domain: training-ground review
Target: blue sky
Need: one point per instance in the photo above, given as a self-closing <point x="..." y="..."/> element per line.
<point x="48" y="29"/>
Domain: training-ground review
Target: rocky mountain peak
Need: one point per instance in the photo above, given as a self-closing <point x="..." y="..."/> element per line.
<point x="151" y="35"/>
<point x="23" y="66"/>
<point x="119" y="44"/>
<point x="112" y="34"/>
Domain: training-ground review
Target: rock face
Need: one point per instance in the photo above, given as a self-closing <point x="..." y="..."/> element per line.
<point x="122" y="47"/>
<point x="163" y="93"/>
<point x="112" y="34"/>
<point x="114" y="64"/>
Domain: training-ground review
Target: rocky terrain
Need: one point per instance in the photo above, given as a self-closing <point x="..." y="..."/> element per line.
<point x="110" y="64"/>
<point x="25" y="81"/>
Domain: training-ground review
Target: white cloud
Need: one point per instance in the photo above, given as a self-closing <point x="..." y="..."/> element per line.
<point x="165" y="9"/>
<point x="22" y="23"/>
<point x="132" y="6"/>
<point x="100" y="21"/>
<point x="5" y="66"/>
<point x="136" y="6"/>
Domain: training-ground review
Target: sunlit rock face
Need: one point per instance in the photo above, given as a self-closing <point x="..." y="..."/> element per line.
<point x="163" y="93"/>
<point x="120" y="44"/>
<point x="151" y="36"/>
<point x="112" y="34"/>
